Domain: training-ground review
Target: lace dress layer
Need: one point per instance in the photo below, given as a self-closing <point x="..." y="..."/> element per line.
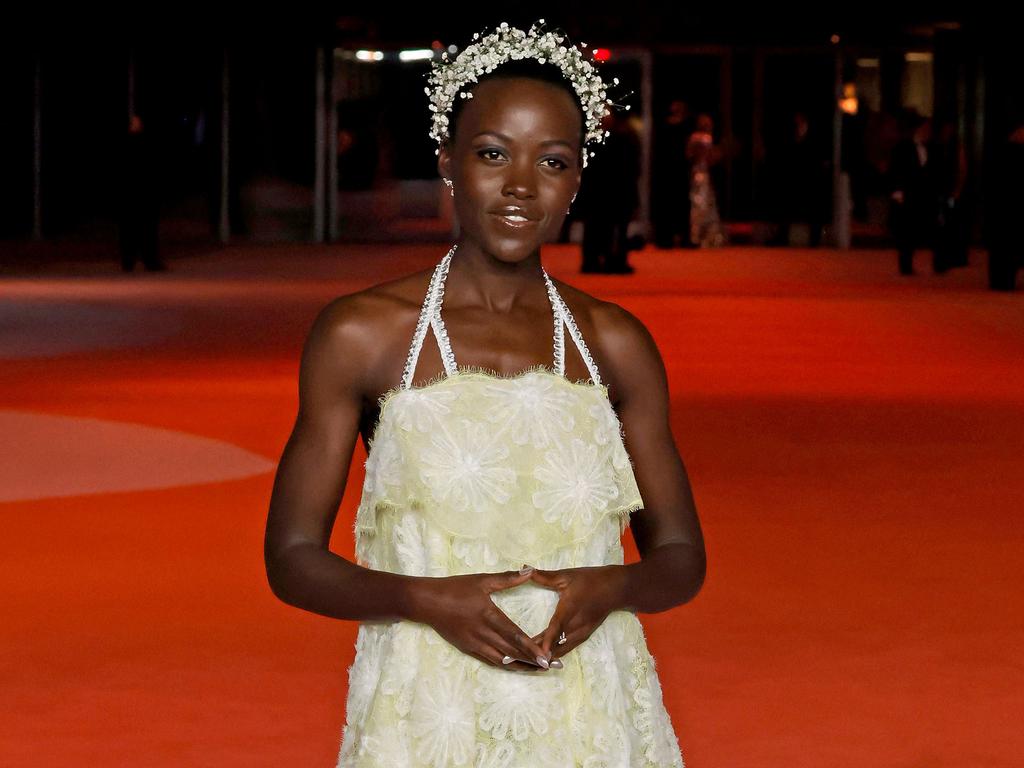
<point x="478" y="472"/>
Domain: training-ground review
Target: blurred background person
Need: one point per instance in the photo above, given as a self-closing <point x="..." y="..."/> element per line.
<point x="671" y="177"/>
<point x="802" y="183"/>
<point x="951" y="160"/>
<point x="706" y="229"/>
<point x="915" y="195"/>
<point x="1004" y="233"/>
<point x="139" y="209"/>
<point x="608" y="197"/>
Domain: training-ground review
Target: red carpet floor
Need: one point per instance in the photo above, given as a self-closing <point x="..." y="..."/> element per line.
<point x="855" y="442"/>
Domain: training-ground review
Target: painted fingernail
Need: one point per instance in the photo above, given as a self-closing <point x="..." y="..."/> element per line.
<point x="542" y="661"/>
<point x="556" y="664"/>
<point x="526" y="569"/>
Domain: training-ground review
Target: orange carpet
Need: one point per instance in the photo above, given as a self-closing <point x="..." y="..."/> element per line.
<point x="855" y="441"/>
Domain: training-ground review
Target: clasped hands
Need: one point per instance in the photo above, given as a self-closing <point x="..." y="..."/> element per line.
<point x="460" y="609"/>
<point x="586" y="595"/>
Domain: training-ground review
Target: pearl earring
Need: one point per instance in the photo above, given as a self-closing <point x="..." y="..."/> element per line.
<point x="451" y="186"/>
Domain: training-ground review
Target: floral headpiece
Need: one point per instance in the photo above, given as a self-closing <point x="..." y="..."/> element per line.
<point x="447" y="78"/>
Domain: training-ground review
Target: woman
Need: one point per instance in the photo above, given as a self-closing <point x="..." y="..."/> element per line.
<point x="497" y="460"/>
<point x="705" y="225"/>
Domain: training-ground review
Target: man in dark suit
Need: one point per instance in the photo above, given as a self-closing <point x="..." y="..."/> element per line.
<point x="1004" y="234"/>
<point x="608" y="198"/>
<point x="140" y="200"/>
<point x="670" y="177"/>
<point x="803" y="183"/>
<point x="914" y="211"/>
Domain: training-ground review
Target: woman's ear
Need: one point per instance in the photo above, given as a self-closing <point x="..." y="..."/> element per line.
<point x="444" y="162"/>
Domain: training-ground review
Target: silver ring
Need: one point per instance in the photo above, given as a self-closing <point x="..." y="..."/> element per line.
<point x="562" y="638"/>
<point x="507" y="660"/>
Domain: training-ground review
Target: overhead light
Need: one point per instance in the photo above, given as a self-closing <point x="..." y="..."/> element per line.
<point x="917" y="56"/>
<point x="415" y="54"/>
<point x="369" y="55"/>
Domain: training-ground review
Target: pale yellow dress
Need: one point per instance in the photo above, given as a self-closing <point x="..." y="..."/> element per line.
<point x="478" y="472"/>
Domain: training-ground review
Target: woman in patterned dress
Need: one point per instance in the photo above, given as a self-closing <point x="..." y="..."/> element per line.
<point x="517" y="144"/>
<point x="706" y="230"/>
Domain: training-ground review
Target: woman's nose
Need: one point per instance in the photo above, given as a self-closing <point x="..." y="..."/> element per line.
<point x="519" y="182"/>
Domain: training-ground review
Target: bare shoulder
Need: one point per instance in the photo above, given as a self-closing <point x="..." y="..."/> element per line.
<point x="620" y="343"/>
<point x="361" y="331"/>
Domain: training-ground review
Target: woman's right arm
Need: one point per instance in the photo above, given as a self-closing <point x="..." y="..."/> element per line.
<point x="310" y="482"/>
<point x="312" y="474"/>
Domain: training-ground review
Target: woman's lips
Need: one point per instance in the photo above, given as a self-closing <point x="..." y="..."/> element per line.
<point x="510" y="220"/>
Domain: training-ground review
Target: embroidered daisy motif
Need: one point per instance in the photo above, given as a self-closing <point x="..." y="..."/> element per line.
<point x="409" y="546"/>
<point x="535" y="410"/>
<point x="554" y="751"/>
<point x="364" y="674"/>
<point x="601" y="669"/>
<point x="443" y="722"/>
<point x="387" y="746"/>
<point x="499" y="755"/>
<point x="383" y="464"/>
<point x="477" y="554"/>
<point x="654" y="723"/>
<point x="468" y="469"/>
<point x="601" y="547"/>
<point x="419" y="408"/>
<point x="399" y="680"/>
<point x="606" y="422"/>
<point x="576" y="484"/>
<point x="516" y="706"/>
<point x="619" y="455"/>
<point x="610" y="747"/>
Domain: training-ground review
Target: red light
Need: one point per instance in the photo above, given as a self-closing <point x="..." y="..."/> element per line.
<point x="602" y="54"/>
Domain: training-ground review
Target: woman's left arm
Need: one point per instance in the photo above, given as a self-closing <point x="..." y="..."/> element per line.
<point x="667" y="530"/>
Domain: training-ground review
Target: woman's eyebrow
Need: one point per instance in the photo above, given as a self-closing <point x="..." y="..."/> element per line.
<point x="505" y="138"/>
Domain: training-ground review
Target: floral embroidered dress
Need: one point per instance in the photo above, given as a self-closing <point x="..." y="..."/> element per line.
<point x="476" y="472"/>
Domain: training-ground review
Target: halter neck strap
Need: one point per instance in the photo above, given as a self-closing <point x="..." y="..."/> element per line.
<point x="430" y="316"/>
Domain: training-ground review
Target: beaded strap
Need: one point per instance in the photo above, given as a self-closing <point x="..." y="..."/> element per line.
<point x="577" y="337"/>
<point x="424" y="320"/>
<point x="559" y="325"/>
<point x="437" y="322"/>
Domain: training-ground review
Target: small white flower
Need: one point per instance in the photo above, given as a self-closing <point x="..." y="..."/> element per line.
<point x="509" y="43"/>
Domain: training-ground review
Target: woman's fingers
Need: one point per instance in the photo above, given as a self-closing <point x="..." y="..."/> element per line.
<point x="505" y="648"/>
<point x="493" y="659"/>
<point x="510" y="632"/>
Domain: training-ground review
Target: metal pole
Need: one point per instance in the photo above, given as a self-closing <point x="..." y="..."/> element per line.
<point x="37" y="148"/>
<point x="319" y="182"/>
<point x="647" y="96"/>
<point x="840" y="182"/>
<point x="332" y="152"/>
<point x="224" y="222"/>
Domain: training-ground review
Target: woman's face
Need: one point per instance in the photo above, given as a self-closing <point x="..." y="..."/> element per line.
<point x="517" y="144"/>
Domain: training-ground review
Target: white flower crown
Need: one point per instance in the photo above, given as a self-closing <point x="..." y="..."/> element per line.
<point x="447" y="78"/>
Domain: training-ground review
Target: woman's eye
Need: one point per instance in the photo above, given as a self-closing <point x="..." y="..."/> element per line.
<point x="484" y="152"/>
<point x="560" y="163"/>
